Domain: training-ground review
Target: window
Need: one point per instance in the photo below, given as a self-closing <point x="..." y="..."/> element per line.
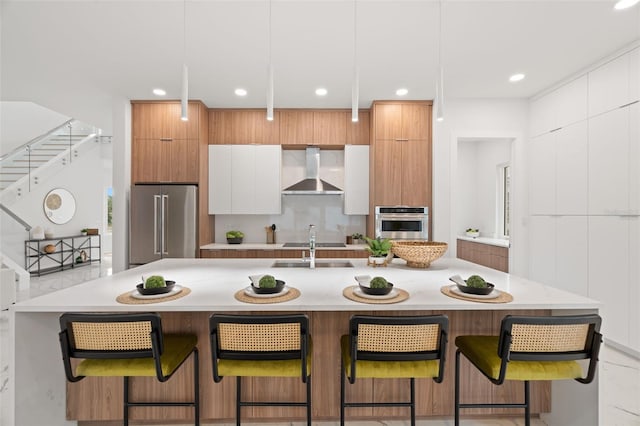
<point x="109" y="209"/>
<point x="503" y="200"/>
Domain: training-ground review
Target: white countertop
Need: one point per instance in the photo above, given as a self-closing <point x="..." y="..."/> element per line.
<point x="213" y="283"/>
<point x="500" y="242"/>
<point x="278" y="246"/>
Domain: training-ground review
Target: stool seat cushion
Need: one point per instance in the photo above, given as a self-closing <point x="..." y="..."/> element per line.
<point x="177" y="348"/>
<point x="388" y="369"/>
<point x="482" y="351"/>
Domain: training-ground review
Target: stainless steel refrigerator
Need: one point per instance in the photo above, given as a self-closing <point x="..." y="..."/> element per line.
<point x="163" y="222"/>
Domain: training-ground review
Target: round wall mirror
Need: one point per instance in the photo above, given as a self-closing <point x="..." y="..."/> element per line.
<point x="59" y="206"/>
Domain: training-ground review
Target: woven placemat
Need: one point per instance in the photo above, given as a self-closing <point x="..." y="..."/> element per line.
<point x="503" y="298"/>
<point x="349" y="294"/>
<point x="127" y="299"/>
<point x="290" y="295"/>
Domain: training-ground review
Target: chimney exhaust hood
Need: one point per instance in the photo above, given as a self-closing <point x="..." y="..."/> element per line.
<point x="312" y="185"/>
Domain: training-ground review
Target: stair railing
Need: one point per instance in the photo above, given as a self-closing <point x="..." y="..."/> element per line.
<point x="15" y="217"/>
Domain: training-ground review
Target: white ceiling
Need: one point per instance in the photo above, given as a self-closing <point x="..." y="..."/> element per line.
<point x="82" y="55"/>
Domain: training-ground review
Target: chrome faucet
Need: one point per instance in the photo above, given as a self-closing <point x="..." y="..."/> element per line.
<point x="312" y="246"/>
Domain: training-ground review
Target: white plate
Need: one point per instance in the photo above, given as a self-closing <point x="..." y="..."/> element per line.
<point x="358" y="292"/>
<point x="175" y="290"/>
<point x="249" y="292"/>
<point x="494" y="294"/>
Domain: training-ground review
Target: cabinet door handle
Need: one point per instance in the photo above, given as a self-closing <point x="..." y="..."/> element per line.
<point x="156" y="200"/>
<point x="403" y="140"/>
<point x="166" y="139"/>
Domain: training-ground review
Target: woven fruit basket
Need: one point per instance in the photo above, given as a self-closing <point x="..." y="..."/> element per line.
<point x="418" y="254"/>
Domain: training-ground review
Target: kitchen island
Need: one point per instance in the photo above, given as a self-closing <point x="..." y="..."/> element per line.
<point x="40" y="385"/>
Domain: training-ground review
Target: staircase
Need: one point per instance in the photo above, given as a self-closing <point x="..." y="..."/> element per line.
<point x="39" y="158"/>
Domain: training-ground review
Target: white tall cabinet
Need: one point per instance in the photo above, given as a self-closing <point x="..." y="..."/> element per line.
<point x="584" y="192"/>
<point x="245" y="179"/>
<point x="356" y="179"/>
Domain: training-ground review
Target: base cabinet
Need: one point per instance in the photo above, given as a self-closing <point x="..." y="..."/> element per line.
<point x="484" y="254"/>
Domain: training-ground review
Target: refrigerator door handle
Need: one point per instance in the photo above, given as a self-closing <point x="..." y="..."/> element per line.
<point x="165" y="210"/>
<point x="156" y="199"/>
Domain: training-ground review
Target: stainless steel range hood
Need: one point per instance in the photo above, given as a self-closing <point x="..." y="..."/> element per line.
<point x="312" y="185"/>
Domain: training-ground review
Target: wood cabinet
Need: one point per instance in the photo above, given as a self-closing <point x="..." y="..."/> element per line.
<point x="244" y="179"/>
<point x="484" y="254"/>
<point x="280" y="254"/>
<point x="165" y="148"/>
<point x="401" y="171"/>
<point x="313" y="127"/>
<point x="243" y="126"/>
<point x="358" y="133"/>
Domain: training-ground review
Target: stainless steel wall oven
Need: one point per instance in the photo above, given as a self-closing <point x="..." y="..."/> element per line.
<point x="402" y="222"/>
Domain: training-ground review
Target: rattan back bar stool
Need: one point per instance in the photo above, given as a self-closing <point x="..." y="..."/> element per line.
<point x="531" y="348"/>
<point x="393" y="347"/>
<point x="126" y="345"/>
<point x="261" y="346"/>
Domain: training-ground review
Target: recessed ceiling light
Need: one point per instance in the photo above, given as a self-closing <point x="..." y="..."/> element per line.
<point x="321" y="91"/>
<point x="625" y="4"/>
<point x="516" y="77"/>
<point x="402" y="92"/>
<point x="159" y="92"/>
<point x="241" y="92"/>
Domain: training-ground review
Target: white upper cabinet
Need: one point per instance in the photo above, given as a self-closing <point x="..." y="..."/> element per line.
<point x="244" y="179"/>
<point x="220" y="179"/>
<point x="542" y="175"/>
<point x="572" y="151"/>
<point x="356" y="179"/>
<point x="615" y="83"/>
<point x="609" y="161"/>
<point x="563" y="106"/>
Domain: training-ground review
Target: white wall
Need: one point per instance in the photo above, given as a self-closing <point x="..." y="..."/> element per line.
<point x="480" y="118"/>
<point x="22" y="121"/>
<point x="84" y="179"/>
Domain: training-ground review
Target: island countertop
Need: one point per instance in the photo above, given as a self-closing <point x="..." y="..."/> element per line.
<point x="213" y="283"/>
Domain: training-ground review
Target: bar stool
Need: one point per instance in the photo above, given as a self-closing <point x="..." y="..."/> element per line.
<point x="393" y="347"/>
<point x="261" y="346"/>
<point x="126" y="345"/>
<point x="531" y="348"/>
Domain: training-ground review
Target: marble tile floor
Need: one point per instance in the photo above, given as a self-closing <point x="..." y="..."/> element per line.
<point x="619" y="373"/>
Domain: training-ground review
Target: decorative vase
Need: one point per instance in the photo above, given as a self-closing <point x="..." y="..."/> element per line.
<point x="37" y="233"/>
<point x="48" y="233"/>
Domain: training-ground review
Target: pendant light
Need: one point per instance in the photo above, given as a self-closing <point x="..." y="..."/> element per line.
<point x="269" y="74"/>
<point x="355" y="88"/>
<point x="440" y="77"/>
<point x="184" y="94"/>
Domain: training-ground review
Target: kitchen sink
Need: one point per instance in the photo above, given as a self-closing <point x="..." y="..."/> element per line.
<point x="319" y="264"/>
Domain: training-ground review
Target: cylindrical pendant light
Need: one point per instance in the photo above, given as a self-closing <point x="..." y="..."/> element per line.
<point x="184" y="97"/>
<point x="440" y="77"/>
<point x="270" y="93"/>
<point x="184" y="93"/>
<point x="269" y="72"/>
<point x="355" y="88"/>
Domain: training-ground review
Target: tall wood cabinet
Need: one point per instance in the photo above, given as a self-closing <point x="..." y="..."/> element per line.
<point x="165" y="149"/>
<point x="401" y="166"/>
